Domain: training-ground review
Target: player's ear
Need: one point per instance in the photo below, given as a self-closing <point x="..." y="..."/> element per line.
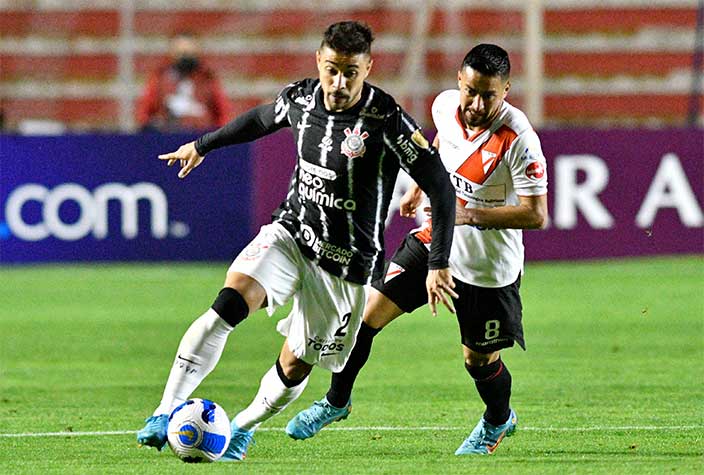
<point x="507" y="88"/>
<point x="369" y="67"/>
<point x="459" y="79"/>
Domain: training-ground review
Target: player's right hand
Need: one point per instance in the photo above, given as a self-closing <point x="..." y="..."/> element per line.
<point x="186" y="155"/>
<point x="440" y="287"/>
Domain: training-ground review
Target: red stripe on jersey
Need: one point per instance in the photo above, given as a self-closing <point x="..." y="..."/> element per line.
<point x="425" y="235"/>
<point x="484" y="161"/>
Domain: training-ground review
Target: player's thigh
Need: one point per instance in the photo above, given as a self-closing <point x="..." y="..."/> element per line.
<point x="489" y="319"/>
<point x="268" y="269"/>
<point x="403" y="282"/>
<point x="322" y="326"/>
<point x="379" y="310"/>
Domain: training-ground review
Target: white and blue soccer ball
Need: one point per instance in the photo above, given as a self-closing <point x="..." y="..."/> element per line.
<point x="199" y="431"/>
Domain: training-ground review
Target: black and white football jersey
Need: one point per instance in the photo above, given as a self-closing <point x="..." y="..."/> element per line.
<point x="346" y="168"/>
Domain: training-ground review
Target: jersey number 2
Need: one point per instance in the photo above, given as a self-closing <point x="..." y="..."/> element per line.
<point x="342" y="331"/>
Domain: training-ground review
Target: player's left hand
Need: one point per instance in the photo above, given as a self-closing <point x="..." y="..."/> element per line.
<point x="439" y="285"/>
<point x="410" y="200"/>
<point x="186" y="155"/>
<point x="462" y="215"/>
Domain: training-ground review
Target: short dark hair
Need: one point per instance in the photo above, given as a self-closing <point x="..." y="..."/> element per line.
<point x="348" y="37"/>
<point x="488" y="59"/>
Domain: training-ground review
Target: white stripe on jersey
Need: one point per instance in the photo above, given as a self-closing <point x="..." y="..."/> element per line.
<point x="303" y="125"/>
<point x="324" y="161"/>
<point x="379" y="217"/>
<point x="311" y="104"/>
<point x="411" y="126"/>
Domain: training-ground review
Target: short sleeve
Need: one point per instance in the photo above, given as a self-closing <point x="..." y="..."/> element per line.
<point x="528" y="165"/>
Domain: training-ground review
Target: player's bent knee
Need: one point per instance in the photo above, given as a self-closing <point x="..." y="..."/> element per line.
<point x="292" y="372"/>
<point x="231" y="306"/>
<point x="475" y="359"/>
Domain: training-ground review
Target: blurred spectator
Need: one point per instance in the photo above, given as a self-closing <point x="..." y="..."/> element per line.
<point x="183" y="95"/>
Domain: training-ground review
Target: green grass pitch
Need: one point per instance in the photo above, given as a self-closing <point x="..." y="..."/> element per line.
<point x="612" y="382"/>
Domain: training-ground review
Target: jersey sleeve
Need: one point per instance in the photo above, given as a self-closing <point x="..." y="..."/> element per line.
<point x="404" y="139"/>
<point x="528" y="165"/>
<point x="251" y="125"/>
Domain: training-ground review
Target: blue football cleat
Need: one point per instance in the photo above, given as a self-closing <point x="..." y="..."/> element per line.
<point x="154" y="433"/>
<point x="239" y="443"/>
<point x="485" y="437"/>
<point x="309" y="421"/>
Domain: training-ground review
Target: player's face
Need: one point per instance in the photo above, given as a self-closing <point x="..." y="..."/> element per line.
<point x="481" y="97"/>
<point x="341" y="77"/>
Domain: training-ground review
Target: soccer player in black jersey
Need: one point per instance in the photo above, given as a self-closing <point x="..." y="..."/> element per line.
<point x="326" y="239"/>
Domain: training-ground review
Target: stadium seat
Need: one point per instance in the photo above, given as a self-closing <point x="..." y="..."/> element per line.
<point x="606" y="65"/>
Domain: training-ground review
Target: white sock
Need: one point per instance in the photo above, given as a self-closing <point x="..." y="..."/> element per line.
<point x="272" y="398"/>
<point x="198" y="353"/>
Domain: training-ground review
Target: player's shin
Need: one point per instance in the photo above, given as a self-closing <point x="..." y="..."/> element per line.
<point x="275" y="393"/>
<point x="198" y="353"/>
<point x="341" y="383"/>
<point x="493" y="382"/>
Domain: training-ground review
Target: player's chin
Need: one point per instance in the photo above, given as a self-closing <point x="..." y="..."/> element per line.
<point x="338" y="101"/>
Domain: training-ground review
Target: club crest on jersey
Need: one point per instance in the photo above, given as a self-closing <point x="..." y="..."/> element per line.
<point x="394" y="270"/>
<point x="353" y="145"/>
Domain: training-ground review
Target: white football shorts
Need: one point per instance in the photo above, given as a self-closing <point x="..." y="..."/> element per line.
<point x="327" y="310"/>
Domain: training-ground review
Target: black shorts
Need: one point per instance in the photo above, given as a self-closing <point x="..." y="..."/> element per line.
<point x="489" y="318"/>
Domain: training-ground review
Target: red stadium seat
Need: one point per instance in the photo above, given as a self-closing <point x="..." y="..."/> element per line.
<point x="74" y="49"/>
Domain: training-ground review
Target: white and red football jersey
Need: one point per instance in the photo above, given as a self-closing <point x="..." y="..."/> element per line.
<point x="488" y="169"/>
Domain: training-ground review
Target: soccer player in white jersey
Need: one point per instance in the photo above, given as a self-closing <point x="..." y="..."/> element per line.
<point x="497" y="168"/>
<point x="326" y="239"/>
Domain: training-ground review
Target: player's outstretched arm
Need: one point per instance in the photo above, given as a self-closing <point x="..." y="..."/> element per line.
<point x="251" y="125"/>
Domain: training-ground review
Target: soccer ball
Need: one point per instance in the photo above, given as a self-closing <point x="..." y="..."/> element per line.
<point x="199" y="431"/>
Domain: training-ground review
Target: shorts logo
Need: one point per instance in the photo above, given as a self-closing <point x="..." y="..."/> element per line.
<point x="393" y="271"/>
<point x="353" y="145"/>
<point x="535" y="171"/>
<point x="253" y="251"/>
<point x="326" y="347"/>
